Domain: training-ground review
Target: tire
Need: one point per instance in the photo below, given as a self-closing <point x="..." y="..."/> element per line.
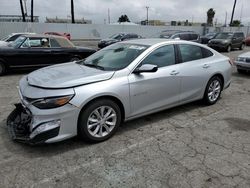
<point x="92" y="124"/>
<point x="242" y="46"/>
<point x="2" y="69"/>
<point x="229" y="48"/>
<point x="240" y="71"/>
<point x="74" y="59"/>
<point x="213" y="90"/>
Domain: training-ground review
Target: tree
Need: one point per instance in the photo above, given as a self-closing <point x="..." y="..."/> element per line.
<point x="232" y="17"/>
<point x="235" y="23"/>
<point x="22" y="11"/>
<point x="179" y="23"/>
<point x="123" y="18"/>
<point x="210" y="16"/>
<point x="32" y="9"/>
<point x="72" y="12"/>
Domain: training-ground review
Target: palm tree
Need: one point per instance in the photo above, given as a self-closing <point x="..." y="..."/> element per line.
<point x="21" y="5"/>
<point x="232" y="17"/>
<point x="32" y="9"/>
<point x="72" y="11"/>
<point x="210" y="16"/>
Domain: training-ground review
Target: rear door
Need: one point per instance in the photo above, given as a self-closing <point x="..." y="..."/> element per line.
<point x="150" y="91"/>
<point x="194" y="71"/>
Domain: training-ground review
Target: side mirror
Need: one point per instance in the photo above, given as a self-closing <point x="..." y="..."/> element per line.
<point x="146" y="68"/>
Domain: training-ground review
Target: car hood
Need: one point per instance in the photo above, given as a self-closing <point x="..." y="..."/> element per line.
<point x="246" y="54"/>
<point x="67" y="75"/>
<point x="109" y="40"/>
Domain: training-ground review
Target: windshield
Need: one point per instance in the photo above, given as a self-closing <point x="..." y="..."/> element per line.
<point x="114" y="57"/>
<point x="116" y="36"/>
<point x="16" y="43"/>
<point x="224" y="36"/>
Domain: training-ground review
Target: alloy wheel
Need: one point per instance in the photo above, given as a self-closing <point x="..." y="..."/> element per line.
<point x="214" y="90"/>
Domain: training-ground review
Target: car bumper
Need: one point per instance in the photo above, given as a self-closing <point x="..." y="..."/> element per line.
<point x="28" y="125"/>
<point x="242" y="65"/>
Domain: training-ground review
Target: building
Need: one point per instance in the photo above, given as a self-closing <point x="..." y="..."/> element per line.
<point x="17" y="18"/>
<point x="67" y="20"/>
<point x="153" y="22"/>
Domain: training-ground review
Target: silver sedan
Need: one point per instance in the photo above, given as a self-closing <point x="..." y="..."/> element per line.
<point x="243" y="62"/>
<point x="127" y="80"/>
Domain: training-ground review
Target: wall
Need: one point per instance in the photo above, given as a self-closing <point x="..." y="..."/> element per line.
<point x="97" y="31"/>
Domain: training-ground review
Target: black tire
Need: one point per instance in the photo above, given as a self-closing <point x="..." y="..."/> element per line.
<point x="85" y="114"/>
<point x="229" y="48"/>
<point x="74" y="59"/>
<point x="240" y="71"/>
<point x="242" y="46"/>
<point x="206" y="97"/>
<point x="2" y="69"/>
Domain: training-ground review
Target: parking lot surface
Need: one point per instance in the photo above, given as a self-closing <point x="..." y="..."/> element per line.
<point x="188" y="146"/>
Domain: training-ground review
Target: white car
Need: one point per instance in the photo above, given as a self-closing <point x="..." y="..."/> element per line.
<point x="243" y="62"/>
<point x="10" y="38"/>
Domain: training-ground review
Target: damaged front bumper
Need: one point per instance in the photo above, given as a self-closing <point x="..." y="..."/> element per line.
<point x="19" y="126"/>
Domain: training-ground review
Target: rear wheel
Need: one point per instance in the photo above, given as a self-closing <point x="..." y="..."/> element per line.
<point x="99" y="120"/>
<point x="2" y="68"/>
<point x="213" y="90"/>
<point x="242" y="46"/>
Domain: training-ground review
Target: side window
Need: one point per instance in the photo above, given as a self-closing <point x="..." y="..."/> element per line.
<point x="184" y="37"/>
<point x="190" y="52"/>
<point x="163" y="56"/>
<point x="54" y="43"/>
<point x="206" y="53"/>
<point x="35" y="43"/>
<point x="26" y="44"/>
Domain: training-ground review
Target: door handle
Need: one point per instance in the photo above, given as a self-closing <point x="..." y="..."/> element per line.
<point x="174" y="72"/>
<point x="205" y="66"/>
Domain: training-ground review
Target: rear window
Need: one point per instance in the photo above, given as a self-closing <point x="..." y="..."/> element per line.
<point x="64" y="43"/>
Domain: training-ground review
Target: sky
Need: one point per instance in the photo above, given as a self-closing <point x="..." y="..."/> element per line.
<point x="165" y="10"/>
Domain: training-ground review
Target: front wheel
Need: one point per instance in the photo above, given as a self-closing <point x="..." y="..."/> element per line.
<point x="242" y="46"/>
<point x="213" y="90"/>
<point x="99" y="120"/>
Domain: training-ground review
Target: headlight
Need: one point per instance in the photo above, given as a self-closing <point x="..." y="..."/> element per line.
<point x="241" y="59"/>
<point x="52" y="102"/>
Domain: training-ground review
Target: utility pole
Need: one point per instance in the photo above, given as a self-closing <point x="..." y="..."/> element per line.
<point x="32" y="8"/>
<point x="22" y="11"/>
<point x="108" y="16"/>
<point x="147" y="7"/>
<point x="25" y="7"/>
<point x="226" y="20"/>
<point x="232" y="17"/>
<point x="72" y="12"/>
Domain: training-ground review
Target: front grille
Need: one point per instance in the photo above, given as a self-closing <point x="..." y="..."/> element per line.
<point x="248" y="60"/>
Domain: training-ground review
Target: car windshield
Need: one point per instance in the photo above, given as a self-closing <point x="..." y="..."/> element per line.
<point x="16" y="43"/>
<point x="114" y="57"/>
<point x="116" y="36"/>
<point x="224" y="36"/>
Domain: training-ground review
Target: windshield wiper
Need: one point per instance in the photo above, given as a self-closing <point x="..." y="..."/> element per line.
<point x="93" y="65"/>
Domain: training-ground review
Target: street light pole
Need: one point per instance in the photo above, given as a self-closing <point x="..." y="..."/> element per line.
<point x="147" y="7"/>
<point x="232" y="17"/>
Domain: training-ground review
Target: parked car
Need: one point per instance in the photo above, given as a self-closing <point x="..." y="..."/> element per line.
<point x="243" y="62"/>
<point x="66" y="35"/>
<point x="206" y="38"/>
<point x="183" y="35"/>
<point x="227" y="41"/>
<point x="117" y="38"/>
<point x="10" y="38"/>
<point x="121" y="82"/>
<point x="30" y="51"/>
<point x="247" y="41"/>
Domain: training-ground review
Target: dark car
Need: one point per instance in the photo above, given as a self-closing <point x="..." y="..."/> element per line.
<point x="247" y="41"/>
<point x="29" y="51"/>
<point x="206" y="38"/>
<point x="117" y="38"/>
<point x="183" y="35"/>
<point x="227" y="41"/>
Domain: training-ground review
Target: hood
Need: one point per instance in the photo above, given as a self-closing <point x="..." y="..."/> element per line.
<point x="67" y="75"/>
<point x="219" y="40"/>
<point x="246" y="54"/>
<point x="3" y="43"/>
<point x="109" y="40"/>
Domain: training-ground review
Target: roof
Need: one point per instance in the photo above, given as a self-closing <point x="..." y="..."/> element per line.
<point x="149" y="42"/>
<point x="42" y="36"/>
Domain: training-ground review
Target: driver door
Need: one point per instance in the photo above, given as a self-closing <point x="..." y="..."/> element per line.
<point x="161" y="89"/>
